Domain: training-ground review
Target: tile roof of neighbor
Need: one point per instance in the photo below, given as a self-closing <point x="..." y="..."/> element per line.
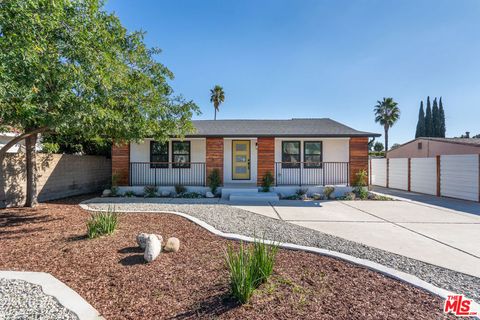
<point x="470" y="141"/>
<point x="320" y="127"/>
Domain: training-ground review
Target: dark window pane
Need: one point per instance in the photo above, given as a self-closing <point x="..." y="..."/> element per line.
<point x="313" y="148"/>
<point x="290" y="154"/>
<point x="312" y="154"/>
<point x="313" y="161"/>
<point x="158" y="153"/>
<point x="291" y="147"/>
<point x="181" y="154"/>
<point x="181" y="147"/>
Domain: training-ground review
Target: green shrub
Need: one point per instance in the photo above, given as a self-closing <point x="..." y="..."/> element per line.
<point x="349" y="196"/>
<point x="179" y="189"/>
<point x="301" y="192"/>
<point x="362" y="178"/>
<point x="214" y="180"/>
<point x="267" y="181"/>
<point x="114" y="187"/>
<point x="150" y="191"/>
<point x="191" y="195"/>
<point x="327" y="191"/>
<point x="102" y="223"/>
<point x="249" y="267"/>
<point x="360" y="190"/>
<point x="129" y="194"/>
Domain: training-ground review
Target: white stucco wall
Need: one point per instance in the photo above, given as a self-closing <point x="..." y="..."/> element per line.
<point x="143" y="174"/>
<point x="227" y="161"/>
<point x="334" y="150"/>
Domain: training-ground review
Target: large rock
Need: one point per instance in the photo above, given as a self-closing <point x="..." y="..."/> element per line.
<point x="172" y="245"/>
<point x="142" y="239"/>
<point x="106" y="193"/>
<point x="317" y="196"/>
<point x="153" y="248"/>
<point x="209" y="195"/>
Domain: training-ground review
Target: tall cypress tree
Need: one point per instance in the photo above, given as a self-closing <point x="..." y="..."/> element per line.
<point x="441" y="112"/>
<point x="421" y="122"/>
<point x="428" y="120"/>
<point x="435" y="119"/>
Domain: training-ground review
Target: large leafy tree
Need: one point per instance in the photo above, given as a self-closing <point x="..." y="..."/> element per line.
<point x="378" y="146"/>
<point x="428" y="120"/>
<point x="420" y="132"/>
<point x="387" y="114"/>
<point x="442" y="128"/>
<point x="67" y="66"/>
<point x="217" y="97"/>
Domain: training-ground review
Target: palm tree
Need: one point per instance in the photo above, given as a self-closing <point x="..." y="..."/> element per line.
<point x="217" y="97"/>
<point x="386" y="113"/>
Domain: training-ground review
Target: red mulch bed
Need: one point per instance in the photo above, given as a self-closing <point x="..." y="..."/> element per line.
<point x="110" y="274"/>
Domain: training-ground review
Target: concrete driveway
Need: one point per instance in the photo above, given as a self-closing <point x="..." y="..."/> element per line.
<point x="440" y="235"/>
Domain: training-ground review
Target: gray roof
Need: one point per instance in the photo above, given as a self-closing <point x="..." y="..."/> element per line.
<point x="472" y="141"/>
<point x="323" y="127"/>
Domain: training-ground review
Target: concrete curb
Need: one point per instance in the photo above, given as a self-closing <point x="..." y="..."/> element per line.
<point x="387" y="271"/>
<point x="57" y="289"/>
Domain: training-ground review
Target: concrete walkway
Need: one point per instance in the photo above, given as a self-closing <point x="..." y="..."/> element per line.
<point x="434" y="234"/>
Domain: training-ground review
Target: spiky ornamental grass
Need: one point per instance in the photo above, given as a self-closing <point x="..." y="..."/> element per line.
<point x="102" y="223"/>
<point x="249" y="267"/>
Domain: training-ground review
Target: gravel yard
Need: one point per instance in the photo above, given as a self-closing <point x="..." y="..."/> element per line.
<point x="110" y="273"/>
<point x="230" y="219"/>
<point x="22" y="300"/>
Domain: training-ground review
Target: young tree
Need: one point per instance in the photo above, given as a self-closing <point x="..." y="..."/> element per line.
<point x="435" y="119"/>
<point x="428" y="120"/>
<point x="217" y="97"/>
<point x="442" y="128"/>
<point x="378" y="146"/>
<point x="387" y="114"/>
<point x="395" y="146"/>
<point x="420" y="132"/>
<point x="69" y="66"/>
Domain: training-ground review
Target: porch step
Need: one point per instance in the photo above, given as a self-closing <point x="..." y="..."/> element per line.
<point x="226" y="192"/>
<point x="254" y="197"/>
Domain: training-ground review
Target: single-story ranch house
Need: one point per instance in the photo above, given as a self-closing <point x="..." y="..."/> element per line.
<point x="298" y="152"/>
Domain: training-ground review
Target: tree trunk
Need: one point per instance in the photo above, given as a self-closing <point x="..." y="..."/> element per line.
<point x="215" y="116"/>
<point x="386" y="141"/>
<point x="31" y="165"/>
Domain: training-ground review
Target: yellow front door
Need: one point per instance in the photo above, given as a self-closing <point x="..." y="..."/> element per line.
<point x="241" y="160"/>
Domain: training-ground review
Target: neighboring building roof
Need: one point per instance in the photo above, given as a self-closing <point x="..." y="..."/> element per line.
<point x="469" y="141"/>
<point x="466" y="141"/>
<point x="320" y="127"/>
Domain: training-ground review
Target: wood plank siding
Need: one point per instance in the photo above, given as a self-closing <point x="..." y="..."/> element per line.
<point x="265" y="156"/>
<point x="121" y="163"/>
<point x="214" y="155"/>
<point x="358" y="156"/>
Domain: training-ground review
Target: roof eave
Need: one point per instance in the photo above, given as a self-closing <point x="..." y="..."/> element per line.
<point x="366" y="134"/>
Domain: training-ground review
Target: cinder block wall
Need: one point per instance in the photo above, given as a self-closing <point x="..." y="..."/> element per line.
<point x="59" y="176"/>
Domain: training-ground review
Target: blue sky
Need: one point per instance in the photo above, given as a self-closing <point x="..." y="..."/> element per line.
<point x="316" y="58"/>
